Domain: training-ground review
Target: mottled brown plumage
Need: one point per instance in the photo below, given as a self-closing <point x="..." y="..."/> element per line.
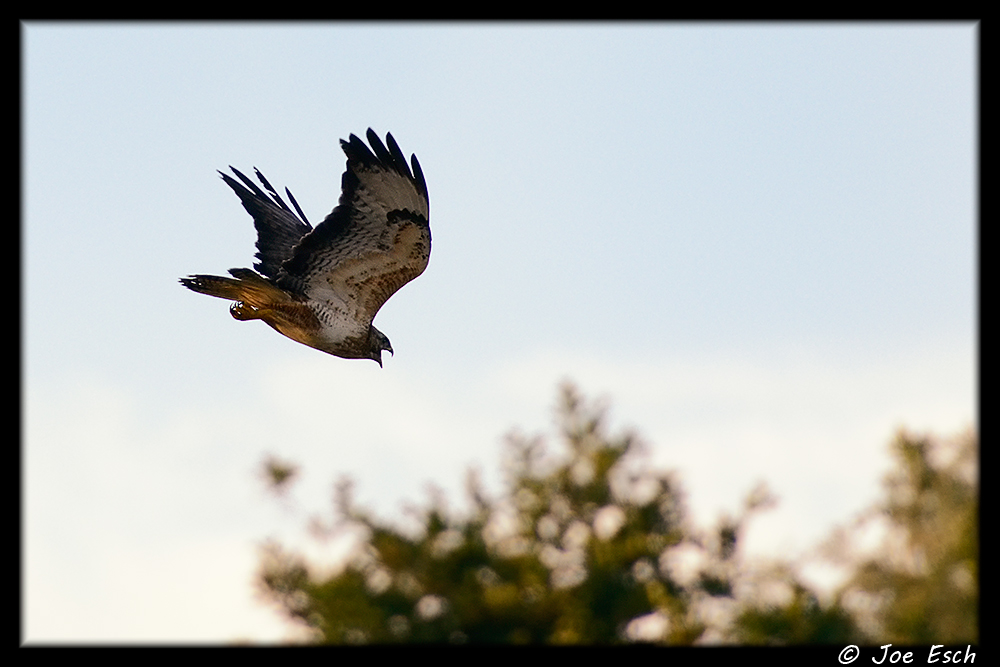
<point x="322" y="287"/>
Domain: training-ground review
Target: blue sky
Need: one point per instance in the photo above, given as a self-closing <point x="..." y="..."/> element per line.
<point x="756" y="242"/>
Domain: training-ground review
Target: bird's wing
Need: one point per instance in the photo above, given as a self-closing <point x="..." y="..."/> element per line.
<point x="377" y="238"/>
<point x="278" y="229"/>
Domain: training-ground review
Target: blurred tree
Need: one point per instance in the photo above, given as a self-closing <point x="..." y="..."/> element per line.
<point x="918" y="586"/>
<point x="775" y="607"/>
<point x="584" y="548"/>
<point x="921" y="585"/>
<point x="594" y="547"/>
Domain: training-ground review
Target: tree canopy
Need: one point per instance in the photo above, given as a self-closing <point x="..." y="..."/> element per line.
<point x="592" y="546"/>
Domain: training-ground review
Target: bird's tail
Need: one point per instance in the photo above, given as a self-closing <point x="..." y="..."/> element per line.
<point x="251" y="291"/>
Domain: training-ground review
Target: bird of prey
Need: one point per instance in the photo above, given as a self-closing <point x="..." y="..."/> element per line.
<point x="322" y="287"/>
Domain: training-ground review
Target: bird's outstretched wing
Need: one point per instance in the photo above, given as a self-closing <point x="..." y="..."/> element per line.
<point x="278" y="230"/>
<point x="376" y="240"/>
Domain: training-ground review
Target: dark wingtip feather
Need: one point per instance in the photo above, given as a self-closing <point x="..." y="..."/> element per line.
<point x="355" y="149"/>
<point x="297" y="207"/>
<point x="270" y="188"/>
<point x="260" y="177"/>
<point x="398" y="159"/>
<point x="390" y="158"/>
<point x="418" y="176"/>
<point x="247" y="182"/>
<point x="380" y="151"/>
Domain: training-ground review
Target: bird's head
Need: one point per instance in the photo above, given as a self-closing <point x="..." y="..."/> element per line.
<point x="379" y="342"/>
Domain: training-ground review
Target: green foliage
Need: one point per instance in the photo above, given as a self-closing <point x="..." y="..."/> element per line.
<point x="572" y="553"/>
<point x="803" y="620"/>
<point x="918" y="586"/>
<point x="592" y="546"/>
<point x="921" y="585"/>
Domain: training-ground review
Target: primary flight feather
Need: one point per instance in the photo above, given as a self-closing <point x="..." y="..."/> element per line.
<point x="322" y="287"/>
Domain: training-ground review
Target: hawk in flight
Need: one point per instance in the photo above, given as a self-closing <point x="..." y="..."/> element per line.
<point x="322" y="286"/>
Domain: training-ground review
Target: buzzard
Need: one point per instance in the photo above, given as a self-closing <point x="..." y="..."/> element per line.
<point x="322" y="287"/>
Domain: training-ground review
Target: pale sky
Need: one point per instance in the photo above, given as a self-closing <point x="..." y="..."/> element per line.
<point x="757" y="243"/>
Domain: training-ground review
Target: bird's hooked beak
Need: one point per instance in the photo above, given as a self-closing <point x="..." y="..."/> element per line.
<point x="379" y="343"/>
<point x="378" y="357"/>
